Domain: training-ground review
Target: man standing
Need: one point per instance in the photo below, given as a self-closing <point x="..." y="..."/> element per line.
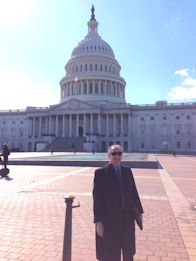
<point x="115" y="199"/>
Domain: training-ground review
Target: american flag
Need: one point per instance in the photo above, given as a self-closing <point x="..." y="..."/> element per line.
<point x="76" y="79"/>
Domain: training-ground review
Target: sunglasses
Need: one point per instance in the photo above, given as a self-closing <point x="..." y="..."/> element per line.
<point x="119" y="153"/>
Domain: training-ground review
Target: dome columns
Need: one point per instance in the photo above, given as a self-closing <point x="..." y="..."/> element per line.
<point x="92" y="87"/>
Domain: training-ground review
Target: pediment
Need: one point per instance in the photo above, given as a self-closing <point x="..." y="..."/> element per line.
<point x="73" y="104"/>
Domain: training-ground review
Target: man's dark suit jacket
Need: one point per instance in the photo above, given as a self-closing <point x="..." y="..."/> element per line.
<point x="118" y="221"/>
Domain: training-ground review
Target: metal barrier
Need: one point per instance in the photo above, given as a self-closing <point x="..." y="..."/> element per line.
<point x="68" y="228"/>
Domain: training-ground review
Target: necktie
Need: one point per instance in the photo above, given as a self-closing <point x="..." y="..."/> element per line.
<point x="118" y="171"/>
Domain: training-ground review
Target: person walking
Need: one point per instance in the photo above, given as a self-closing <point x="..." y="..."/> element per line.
<point x="116" y="207"/>
<point x="5" y="154"/>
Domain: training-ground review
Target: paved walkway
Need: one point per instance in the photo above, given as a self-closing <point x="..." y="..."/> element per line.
<point x="33" y="211"/>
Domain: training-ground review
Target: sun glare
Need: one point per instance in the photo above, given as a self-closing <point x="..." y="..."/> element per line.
<point x="13" y="12"/>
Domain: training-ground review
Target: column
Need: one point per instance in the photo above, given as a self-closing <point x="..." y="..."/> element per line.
<point x="93" y="86"/>
<point x="99" y="123"/>
<point x="82" y="86"/>
<point x="105" y="87"/>
<point x="34" y="131"/>
<point x="99" y="87"/>
<point x="31" y="127"/>
<point x="121" y="125"/>
<point x="77" y="125"/>
<point x="50" y="125"/>
<point x="114" y="122"/>
<point x="115" y="89"/>
<point x="107" y="125"/>
<point x="40" y="127"/>
<point x="70" y="125"/>
<point x="46" y="125"/>
<point x="84" y="125"/>
<point x="63" y="125"/>
<point x="28" y="127"/>
<point x="129" y="125"/>
<point x="56" y="127"/>
<point x="91" y="129"/>
<point x="87" y="84"/>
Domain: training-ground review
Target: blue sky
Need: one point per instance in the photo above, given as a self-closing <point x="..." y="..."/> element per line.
<point x="154" y="42"/>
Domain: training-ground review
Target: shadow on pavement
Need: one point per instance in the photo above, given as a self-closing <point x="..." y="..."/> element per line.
<point x="4" y="174"/>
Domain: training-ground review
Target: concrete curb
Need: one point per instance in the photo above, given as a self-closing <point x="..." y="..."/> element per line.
<point x="130" y="164"/>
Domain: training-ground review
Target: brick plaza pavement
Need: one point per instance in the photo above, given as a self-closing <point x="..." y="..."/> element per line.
<point x="32" y="212"/>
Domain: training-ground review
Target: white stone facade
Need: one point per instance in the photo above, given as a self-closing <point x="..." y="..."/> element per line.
<point x="93" y="112"/>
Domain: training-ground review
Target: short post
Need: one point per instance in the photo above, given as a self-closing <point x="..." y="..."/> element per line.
<point x="68" y="228"/>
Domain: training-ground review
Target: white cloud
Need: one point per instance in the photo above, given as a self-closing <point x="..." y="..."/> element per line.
<point x="187" y="89"/>
<point x="182" y="93"/>
<point x="182" y="72"/>
<point x="19" y="91"/>
<point x="189" y="82"/>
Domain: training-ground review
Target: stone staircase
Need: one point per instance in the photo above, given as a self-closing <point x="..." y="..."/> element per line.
<point x="66" y="144"/>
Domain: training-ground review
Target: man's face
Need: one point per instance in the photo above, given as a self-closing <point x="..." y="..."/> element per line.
<point x="115" y="156"/>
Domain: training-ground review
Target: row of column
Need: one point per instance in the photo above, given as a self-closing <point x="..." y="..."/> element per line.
<point x="99" y="87"/>
<point x="49" y="126"/>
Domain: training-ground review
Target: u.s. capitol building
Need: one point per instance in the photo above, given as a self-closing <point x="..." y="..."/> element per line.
<point x="93" y="113"/>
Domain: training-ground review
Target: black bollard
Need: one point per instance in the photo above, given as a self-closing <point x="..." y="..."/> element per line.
<point x="68" y="229"/>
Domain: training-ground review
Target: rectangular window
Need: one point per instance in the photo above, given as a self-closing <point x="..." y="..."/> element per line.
<point x="142" y="145"/>
<point x="178" y="145"/>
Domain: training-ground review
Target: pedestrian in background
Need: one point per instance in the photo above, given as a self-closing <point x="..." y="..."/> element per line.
<point x="5" y="154"/>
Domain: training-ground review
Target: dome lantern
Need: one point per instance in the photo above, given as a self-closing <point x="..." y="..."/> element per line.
<point x="92" y="24"/>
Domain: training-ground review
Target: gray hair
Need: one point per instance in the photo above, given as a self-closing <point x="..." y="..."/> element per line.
<point x="114" y="146"/>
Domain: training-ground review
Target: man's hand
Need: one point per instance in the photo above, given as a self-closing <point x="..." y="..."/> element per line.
<point x="100" y="229"/>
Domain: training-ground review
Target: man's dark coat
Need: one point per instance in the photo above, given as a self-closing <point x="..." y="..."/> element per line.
<point x="107" y="196"/>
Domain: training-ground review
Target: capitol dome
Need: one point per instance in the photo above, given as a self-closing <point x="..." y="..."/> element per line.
<point x="93" y="44"/>
<point x="93" y="73"/>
